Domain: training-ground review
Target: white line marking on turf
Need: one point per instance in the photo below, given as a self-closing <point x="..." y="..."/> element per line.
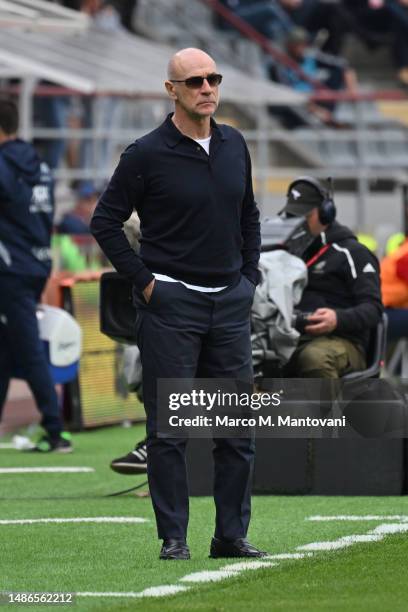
<point x="390" y="528"/>
<point x="367" y="517"/>
<point x="88" y="519"/>
<point x="159" y="591"/>
<point x="247" y="565"/>
<point x="208" y="576"/>
<point x="46" y="470"/>
<point x="367" y="537"/>
<point x="325" y="545"/>
<point x="6" y="445"/>
<point x="290" y="556"/>
<point x="341" y="542"/>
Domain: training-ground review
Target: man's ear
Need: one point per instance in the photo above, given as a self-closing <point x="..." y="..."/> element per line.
<point x="171" y="90"/>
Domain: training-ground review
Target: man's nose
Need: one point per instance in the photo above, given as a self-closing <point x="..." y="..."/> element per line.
<point x="206" y="87"/>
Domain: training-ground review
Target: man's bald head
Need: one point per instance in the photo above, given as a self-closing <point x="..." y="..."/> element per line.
<point x="183" y="63"/>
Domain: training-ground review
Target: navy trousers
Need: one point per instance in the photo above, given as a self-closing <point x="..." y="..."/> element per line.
<point x="21" y="350"/>
<point x="185" y="334"/>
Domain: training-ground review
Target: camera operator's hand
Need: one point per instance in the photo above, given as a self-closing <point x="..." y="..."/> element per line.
<point x="323" y="321"/>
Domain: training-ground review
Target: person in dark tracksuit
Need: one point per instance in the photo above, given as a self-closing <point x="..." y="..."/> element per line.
<point x="342" y="296"/>
<point x="194" y="280"/>
<point x="26" y="214"/>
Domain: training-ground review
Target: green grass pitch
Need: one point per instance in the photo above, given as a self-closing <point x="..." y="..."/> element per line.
<point x="90" y="557"/>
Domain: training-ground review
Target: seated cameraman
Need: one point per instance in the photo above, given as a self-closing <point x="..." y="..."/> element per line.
<point x="342" y="299"/>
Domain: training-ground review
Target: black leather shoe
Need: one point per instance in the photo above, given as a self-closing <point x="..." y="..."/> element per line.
<point x="236" y="548"/>
<point x="174" y="549"/>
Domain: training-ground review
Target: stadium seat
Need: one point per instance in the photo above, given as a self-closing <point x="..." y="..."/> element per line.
<point x="375" y="353"/>
<point x="348" y="113"/>
<point x="396" y="149"/>
<point x="338" y="152"/>
<point x="398" y="360"/>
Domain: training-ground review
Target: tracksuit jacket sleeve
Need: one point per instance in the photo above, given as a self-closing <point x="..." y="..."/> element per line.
<point x="8" y="185"/>
<point x="250" y="228"/>
<point x="123" y="194"/>
<point x="364" y="283"/>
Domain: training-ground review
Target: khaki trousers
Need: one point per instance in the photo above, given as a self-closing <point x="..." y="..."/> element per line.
<point x="325" y="357"/>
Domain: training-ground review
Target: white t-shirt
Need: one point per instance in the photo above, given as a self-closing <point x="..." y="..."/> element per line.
<point x="169" y="279"/>
<point x="205" y="143"/>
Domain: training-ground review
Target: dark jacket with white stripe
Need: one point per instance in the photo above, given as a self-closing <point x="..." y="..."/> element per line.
<point x="346" y="278"/>
<point x="26" y="211"/>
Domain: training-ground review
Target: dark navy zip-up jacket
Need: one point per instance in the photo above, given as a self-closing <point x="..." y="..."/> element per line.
<point x="346" y="278"/>
<point x="199" y="221"/>
<point x="26" y="211"/>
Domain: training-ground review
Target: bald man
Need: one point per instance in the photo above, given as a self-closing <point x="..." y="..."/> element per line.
<point x="194" y="279"/>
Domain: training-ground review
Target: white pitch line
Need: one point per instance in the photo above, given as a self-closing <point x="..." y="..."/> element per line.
<point x="46" y="470"/>
<point x="335" y="545"/>
<point x="289" y="556"/>
<point x="342" y="542"/>
<point x="247" y="565"/>
<point x="367" y="537"/>
<point x="6" y="445"/>
<point x="88" y="519"/>
<point x="208" y="576"/>
<point x="390" y="528"/>
<point x="367" y="517"/>
<point x="159" y="591"/>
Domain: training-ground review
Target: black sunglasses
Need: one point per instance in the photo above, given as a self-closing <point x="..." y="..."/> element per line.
<point x="195" y="82"/>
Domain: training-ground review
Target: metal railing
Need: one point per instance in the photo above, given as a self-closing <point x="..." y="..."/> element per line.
<point x="262" y="140"/>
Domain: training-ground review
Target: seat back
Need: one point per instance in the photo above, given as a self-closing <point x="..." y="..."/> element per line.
<point x="375" y="352"/>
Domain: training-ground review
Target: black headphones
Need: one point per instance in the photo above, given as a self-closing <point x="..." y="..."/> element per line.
<point x="327" y="207"/>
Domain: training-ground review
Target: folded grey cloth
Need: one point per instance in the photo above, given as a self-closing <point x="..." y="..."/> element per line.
<point x="284" y="278"/>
